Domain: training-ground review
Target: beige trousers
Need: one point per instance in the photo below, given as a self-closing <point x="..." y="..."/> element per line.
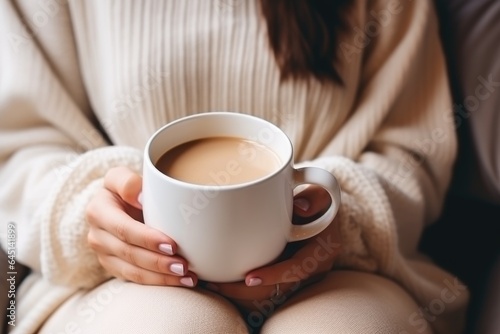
<point x="344" y="302"/>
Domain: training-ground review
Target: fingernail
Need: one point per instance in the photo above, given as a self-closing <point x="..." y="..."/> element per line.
<point x="254" y="281"/>
<point x="139" y="198"/>
<point x="177" y="268"/>
<point x="302" y="203"/>
<point x="166" y="248"/>
<point x="187" y="281"/>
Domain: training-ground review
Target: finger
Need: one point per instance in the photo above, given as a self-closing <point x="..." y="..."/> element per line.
<point x="122" y="269"/>
<point x="315" y="257"/>
<point x="126" y="183"/>
<point x="296" y="269"/>
<point x="104" y="212"/>
<point x="240" y="291"/>
<point x="311" y="201"/>
<point x="106" y="244"/>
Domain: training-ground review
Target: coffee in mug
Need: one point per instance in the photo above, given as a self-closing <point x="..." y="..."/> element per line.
<point x="221" y="185"/>
<point x="219" y="161"/>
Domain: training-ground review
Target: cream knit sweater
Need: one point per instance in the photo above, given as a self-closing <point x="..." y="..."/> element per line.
<point x="84" y="83"/>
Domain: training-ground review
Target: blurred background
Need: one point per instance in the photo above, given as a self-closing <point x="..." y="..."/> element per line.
<point x="466" y="240"/>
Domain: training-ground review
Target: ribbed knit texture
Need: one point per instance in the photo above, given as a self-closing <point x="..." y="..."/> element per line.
<point x="101" y="72"/>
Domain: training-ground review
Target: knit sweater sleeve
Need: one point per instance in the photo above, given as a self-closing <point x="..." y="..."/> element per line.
<point x="395" y="184"/>
<point x="52" y="157"/>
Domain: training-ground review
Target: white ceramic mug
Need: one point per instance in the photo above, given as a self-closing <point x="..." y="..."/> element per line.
<point x="224" y="231"/>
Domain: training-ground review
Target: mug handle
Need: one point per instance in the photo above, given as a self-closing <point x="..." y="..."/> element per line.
<point x="323" y="178"/>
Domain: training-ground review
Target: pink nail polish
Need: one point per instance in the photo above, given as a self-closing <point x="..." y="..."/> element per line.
<point x="166" y="248"/>
<point x="302" y="203"/>
<point x="177" y="268"/>
<point x="187" y="281"/>
<point x="254" y="281"/>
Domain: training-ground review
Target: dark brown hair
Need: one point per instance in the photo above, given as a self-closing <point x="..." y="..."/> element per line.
<point x="303" y="36"/>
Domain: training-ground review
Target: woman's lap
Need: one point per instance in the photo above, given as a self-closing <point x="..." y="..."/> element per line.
<point x="124" y="307"/>
<point x="343" y="302"/>
<point x="348" y="302"/>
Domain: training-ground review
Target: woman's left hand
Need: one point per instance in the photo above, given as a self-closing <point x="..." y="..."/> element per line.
<point x="268" y="287"/>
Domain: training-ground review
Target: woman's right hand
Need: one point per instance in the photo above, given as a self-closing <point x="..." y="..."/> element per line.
<point x="124" y="245"/>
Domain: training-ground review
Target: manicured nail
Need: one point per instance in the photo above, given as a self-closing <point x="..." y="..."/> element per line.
<point x="177" y="268"/>
<point x="139" y="198"/>
<point x="302" y="203"/>
<point x="187" y="281"/>
<point x="254" y="281"/>
<point x="166" y="248"/>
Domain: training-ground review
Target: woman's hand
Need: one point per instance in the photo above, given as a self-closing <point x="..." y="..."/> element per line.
<point x="126" y="247"/>
<point x="313" y="259"/>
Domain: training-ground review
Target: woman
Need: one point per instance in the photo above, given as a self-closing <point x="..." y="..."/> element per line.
<point x="361" y="90"/>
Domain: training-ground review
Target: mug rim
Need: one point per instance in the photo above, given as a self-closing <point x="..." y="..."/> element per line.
<point x="212" y="187"/>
